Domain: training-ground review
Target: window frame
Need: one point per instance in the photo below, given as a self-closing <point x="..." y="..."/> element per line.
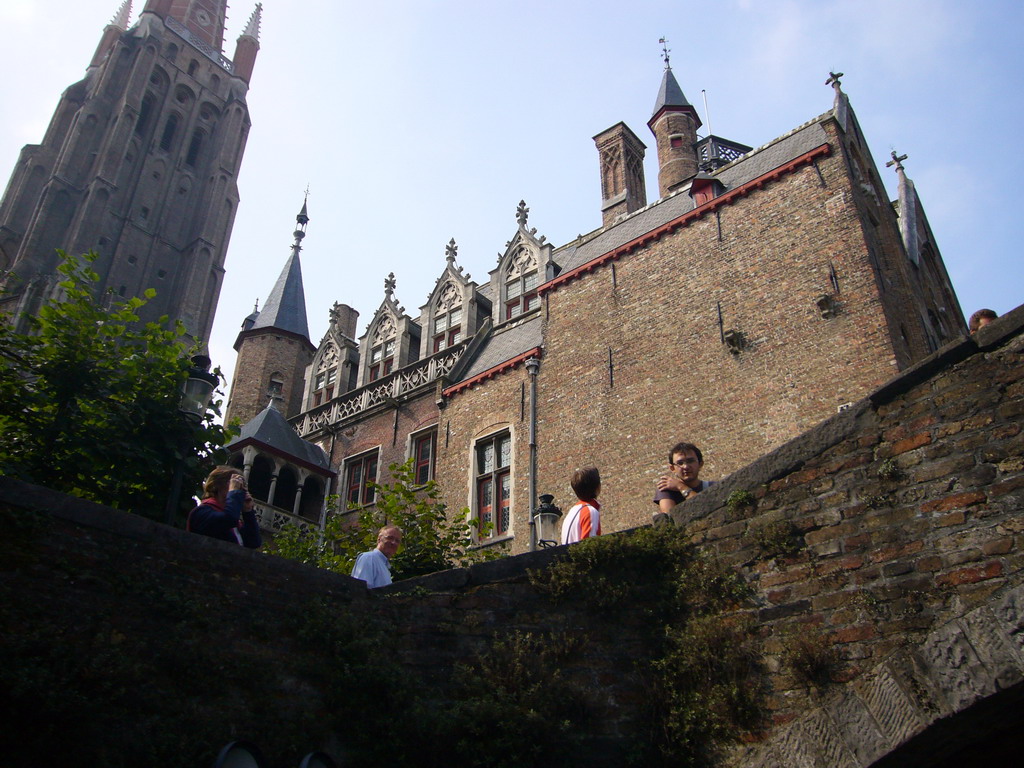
<point x="426" y="437"/>
<point x="496" y="480"/>
<point x="366" y="463"/>
<point x="525" y="299"/>
<point x="451" y="333"/>
<point x="382" y="359"/>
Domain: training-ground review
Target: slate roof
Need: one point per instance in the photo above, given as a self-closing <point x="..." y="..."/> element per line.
<point x="270" y="429"/>
<point x="737" y="173"/>
<point x="285" y="308"/>
<point x="506" y="343"/>
<point x="670" y="94"/>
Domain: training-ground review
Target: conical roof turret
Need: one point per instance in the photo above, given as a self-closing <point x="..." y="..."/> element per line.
<point x="285" y="308"/>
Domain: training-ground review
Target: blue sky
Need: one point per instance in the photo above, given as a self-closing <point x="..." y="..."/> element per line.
<point x="416" y="121"/>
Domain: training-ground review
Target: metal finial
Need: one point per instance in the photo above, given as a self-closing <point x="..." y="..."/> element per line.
<point x="522" y="213"/>
<point x="451" y="251"/>
<point x="833" y="80"/>
<point x="896" y="160"/>
<point x="665" y="50"/>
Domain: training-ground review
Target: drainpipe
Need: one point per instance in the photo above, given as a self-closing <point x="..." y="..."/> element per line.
<point x="532" y="366"/>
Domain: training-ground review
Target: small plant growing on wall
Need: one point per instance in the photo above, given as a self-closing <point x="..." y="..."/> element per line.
<point x="813" y="660"/>
<point x="740" y="500"/>
<point x="778" y="539"/>
<point x="890" y="470"/>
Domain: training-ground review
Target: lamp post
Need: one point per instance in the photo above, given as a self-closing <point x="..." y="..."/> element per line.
<point x="195" y="399"/>
<point x="547" y="522"/>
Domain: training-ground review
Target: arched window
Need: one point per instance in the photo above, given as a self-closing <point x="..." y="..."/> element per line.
<point x="145" y="112"/>
<point x="167" y="137"/>
<point x="194" y="147"/>
<point x="286" y="488"/>
<point x="259" y="478"/>
<point x="312" y="498"/>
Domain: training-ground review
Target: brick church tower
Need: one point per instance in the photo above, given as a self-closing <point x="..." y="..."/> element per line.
<point x="139" y="163"/>
<point x="273" y="346"/>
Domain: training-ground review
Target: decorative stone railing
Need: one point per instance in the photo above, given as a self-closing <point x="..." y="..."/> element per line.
<point x="272" y="519"/>
<point x="393" y="386"/>
<point x="205" y="48"/>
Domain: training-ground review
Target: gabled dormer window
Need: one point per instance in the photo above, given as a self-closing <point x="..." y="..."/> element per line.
<point x="382" y="359"/>
<point x="323" y="386"/>
<point x="520" y="294"/>
<point x="447" y="329"/>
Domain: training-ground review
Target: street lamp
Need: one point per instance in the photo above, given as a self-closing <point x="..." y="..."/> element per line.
<point x="195" y="399"/>
<point x="198" y="388"/>
<point x="546" y="520"/>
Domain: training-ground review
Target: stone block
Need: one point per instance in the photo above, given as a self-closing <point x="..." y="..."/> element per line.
<point x="955" y="668"/>
<point x="889" y="705"/>
<point x="858" y="729"/>
<point x="994" y="647"/>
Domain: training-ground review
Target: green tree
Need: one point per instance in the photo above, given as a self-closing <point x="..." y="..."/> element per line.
<point x="89" y="400"/>
<point x="431" y="541"/>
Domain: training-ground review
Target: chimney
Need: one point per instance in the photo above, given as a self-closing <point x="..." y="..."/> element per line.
<point x="621" y="158"/>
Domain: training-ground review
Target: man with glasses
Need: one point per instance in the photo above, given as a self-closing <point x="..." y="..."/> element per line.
<point x="682" y="481"/>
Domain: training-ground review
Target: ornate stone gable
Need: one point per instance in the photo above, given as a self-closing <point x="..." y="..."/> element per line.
<point x="392" y="339"/>
<point x="522" y="267"/>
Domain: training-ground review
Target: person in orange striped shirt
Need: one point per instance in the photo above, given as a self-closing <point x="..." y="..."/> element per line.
<point x="584" y="519"/>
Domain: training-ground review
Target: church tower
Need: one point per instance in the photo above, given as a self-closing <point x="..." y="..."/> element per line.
<point x="139" y="163"/>
<point x="273" y="347"/>
<point x="674" y="125"/>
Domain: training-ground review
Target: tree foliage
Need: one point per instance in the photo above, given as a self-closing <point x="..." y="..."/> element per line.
<point x="431" y="541"/>
<point x="89" y="400"/>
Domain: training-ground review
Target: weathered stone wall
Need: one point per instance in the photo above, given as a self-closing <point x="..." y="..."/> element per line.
<point x="885" y="544"/>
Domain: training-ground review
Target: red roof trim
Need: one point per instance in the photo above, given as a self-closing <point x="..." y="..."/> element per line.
<point x="687" y="218"/>
<point x="490" y="373"/>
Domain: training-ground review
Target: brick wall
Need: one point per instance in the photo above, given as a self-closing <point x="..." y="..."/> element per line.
<point x="384" y="430"/>
<point x="654" y="312"/>
<point x="260" y="356"/>
<point x="499" y="404"/>
<point x="904" y="516"/>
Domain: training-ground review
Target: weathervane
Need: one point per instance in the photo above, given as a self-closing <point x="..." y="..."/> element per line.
<point x="665" y="50"/>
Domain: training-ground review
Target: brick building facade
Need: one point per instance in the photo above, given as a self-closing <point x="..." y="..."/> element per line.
<point x="763" y="291"/>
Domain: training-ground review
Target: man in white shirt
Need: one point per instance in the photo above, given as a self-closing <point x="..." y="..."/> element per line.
<point x="374" y="567"/>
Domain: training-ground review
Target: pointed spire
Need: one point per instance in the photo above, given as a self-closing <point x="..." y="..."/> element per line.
<point x="909" y="211"/>
<point x="248" y="45"/>
<point x="122" y="16"/>
<point x="285" y="308"/>
<point x="670" y="94"/>
<point x="252" y="29"/>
